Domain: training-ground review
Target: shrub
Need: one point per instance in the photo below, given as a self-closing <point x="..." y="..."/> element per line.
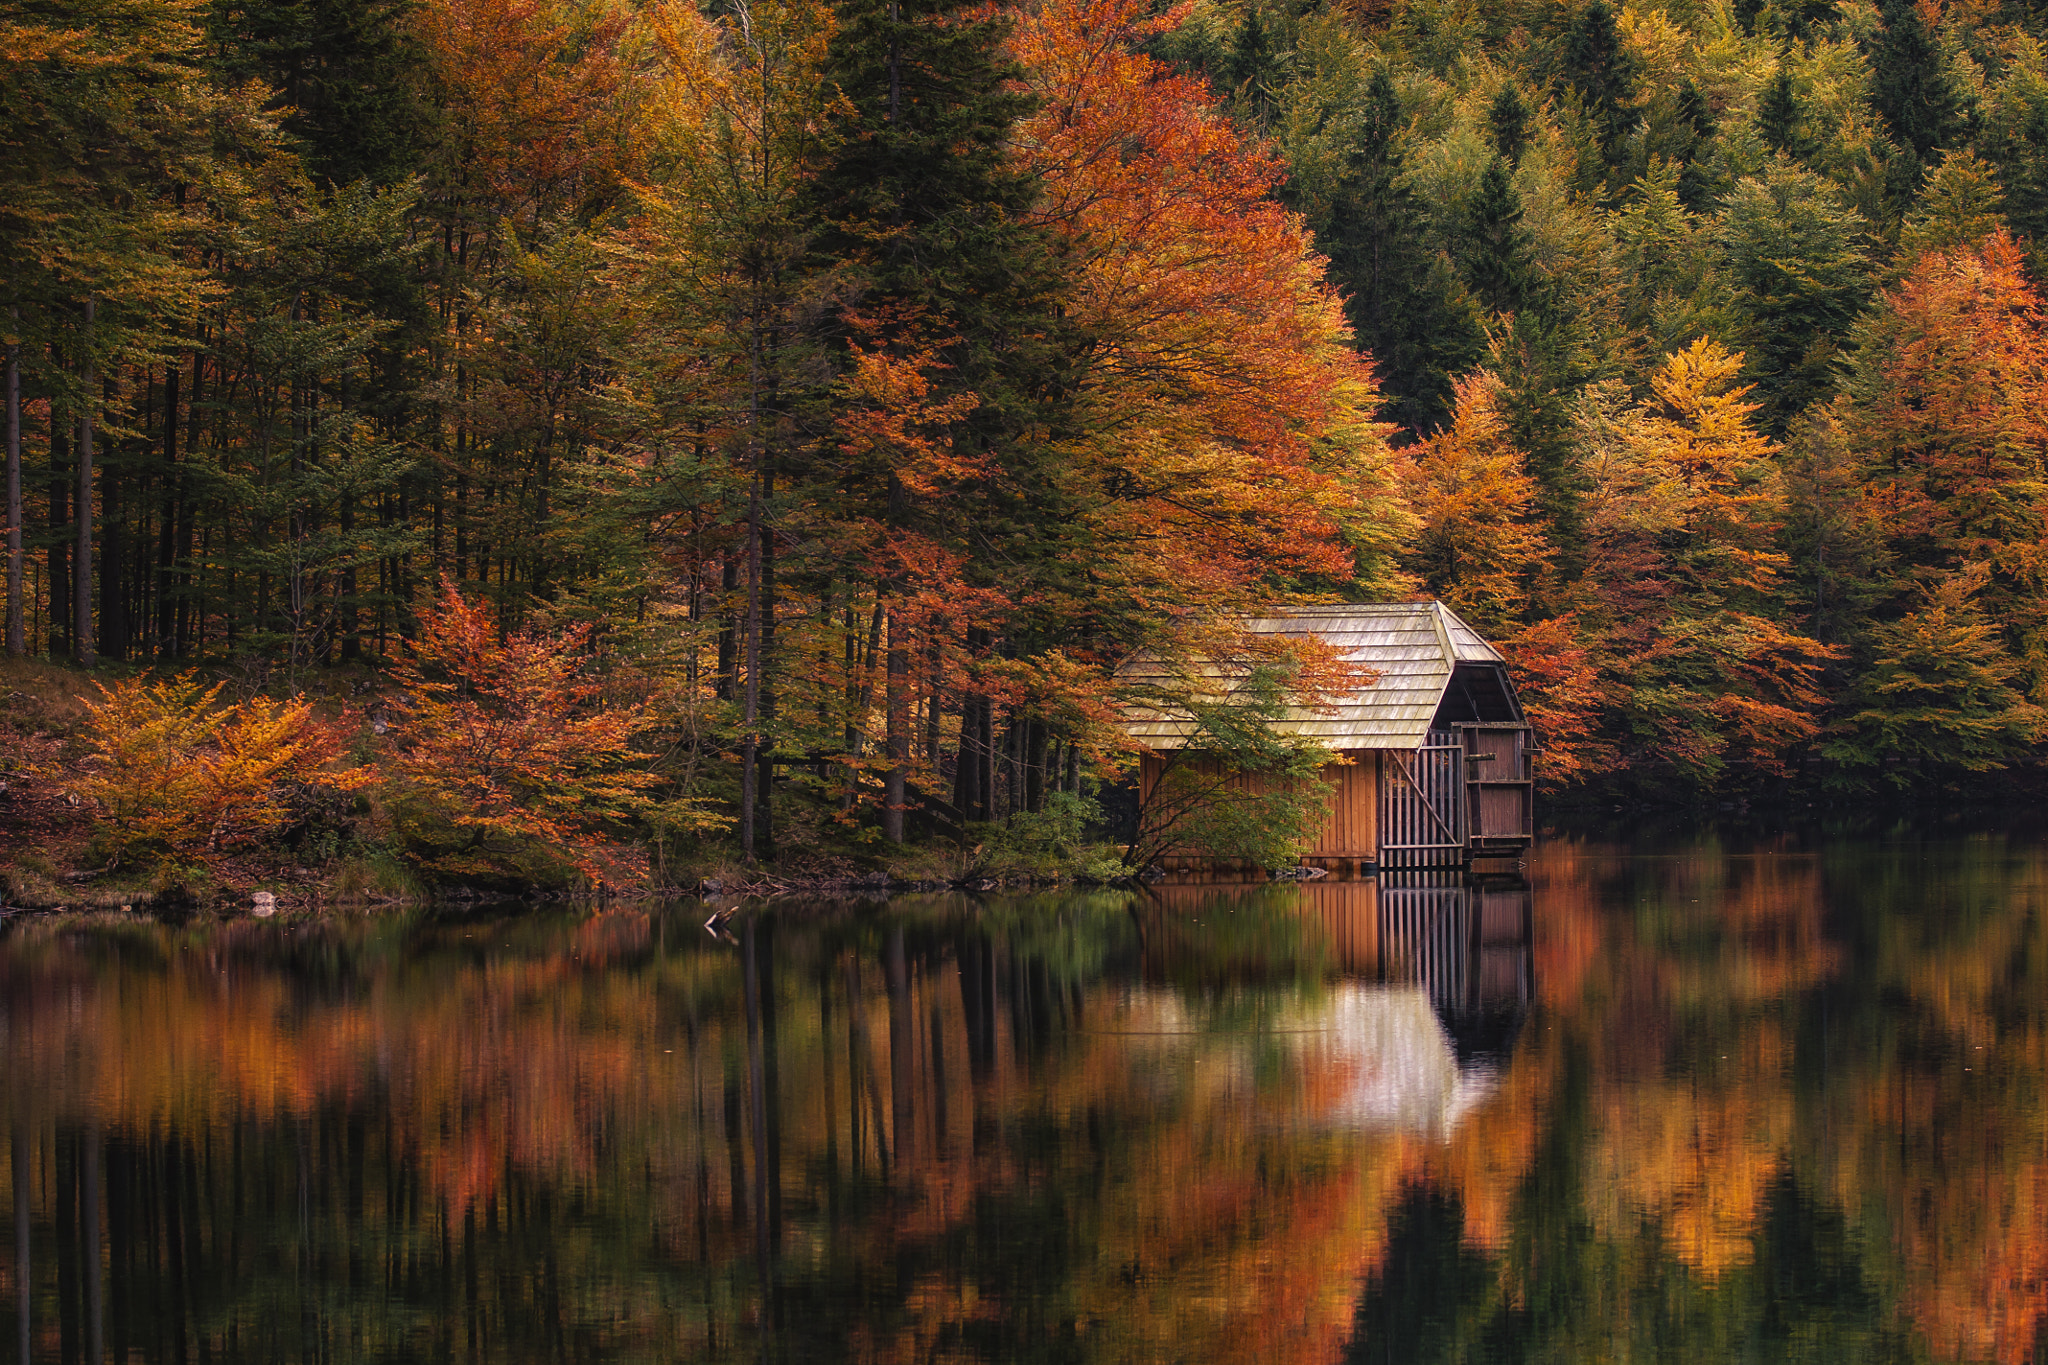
<point x="502" y="746"/>
<point x="176" y="772"/>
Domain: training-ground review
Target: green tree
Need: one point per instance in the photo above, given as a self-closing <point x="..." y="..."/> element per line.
<point x="1403" y="299"/>
<point x="1254" y="69"/>
<point x="349" y="74"/>
<point x="1922" y="107"/>
<point x="1795" y="254"/>
<point x="1937" y="696"/>
<point x="1507" y="119"/>
<point x="1959" y="206"/>
<point x="1780" y="119"/>
<point x="946" y="275"/>
<point x="1700" y="182"/>
<point x="1592" y="62"/>
<point x="1238" y="788"/>
<point x="1495" y="253"/>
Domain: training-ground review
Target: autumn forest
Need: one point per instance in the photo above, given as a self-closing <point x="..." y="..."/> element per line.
<point x="776" y="421"/>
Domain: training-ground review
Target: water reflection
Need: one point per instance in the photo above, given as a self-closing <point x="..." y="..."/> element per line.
<point x="1725" y="1102"/>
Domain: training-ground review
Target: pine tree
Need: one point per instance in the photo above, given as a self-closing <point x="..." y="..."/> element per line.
<point x="1794" y="250"/>
<point x="1698" y="183"/>
<point x="1507" y="118"/>
<point x="1959" y="207"/>
<point x="1921" y="106"/>
<point x="2017" y="146"/>
<point x="944" y="271"/>
<point x="1495" y="252"/>
<point x="1404" y="302"/>
<point x="1938" y="694"/>
<point x="352" y="73"/>
<point x="1779" y="118"/>
<point x="1593" y="62"/>
<point x="1254" y="70"/>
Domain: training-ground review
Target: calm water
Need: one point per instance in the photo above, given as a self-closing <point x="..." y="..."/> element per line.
<point x="1690" y="1101"/>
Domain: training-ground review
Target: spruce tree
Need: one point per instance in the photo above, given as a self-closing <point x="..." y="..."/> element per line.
<point x="350" y="72"/>
<point x="1508" y="119"/>
<point x="1697" y="182"/>
<point x="1595" y="64"/>
<point x="1920" y="105"/>
<point x="1495" y="251"/>
<point x="1254" y="67"/>
<point x="1778" y="119"/>
<point x="922" y="205"/>
<point x="1795" y="253"/>
<point x="1938" y="696"/>
<point x="925" y="222"/>
<point x="1405" y="304"/>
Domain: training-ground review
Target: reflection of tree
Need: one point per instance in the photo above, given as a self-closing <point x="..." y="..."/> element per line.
<point x="1736" y="1127"/>
<point x="1418" y="1309"/>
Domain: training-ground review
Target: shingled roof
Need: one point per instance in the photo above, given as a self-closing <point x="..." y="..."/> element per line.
<point x="1413" y="646"/>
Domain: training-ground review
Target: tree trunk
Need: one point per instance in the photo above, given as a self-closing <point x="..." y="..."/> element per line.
<point x="113" y="595"/>
<point x="728" y="627"/>
<point x="991" y="765"/>
<point x="81" y="555"/>
<point x="1034" y="766"/>
<point x="967" y="763"/>
<point x="17" y="636"/>
<point x="764" y="757"/>
<point x="750" y="716"/>
<point x="59" y="575"/>
<point x="894" y="787"/>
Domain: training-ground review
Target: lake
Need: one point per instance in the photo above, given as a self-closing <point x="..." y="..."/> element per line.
<point x="1688" y="1097"/>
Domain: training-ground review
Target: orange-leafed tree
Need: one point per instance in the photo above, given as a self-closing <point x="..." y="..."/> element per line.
<point x="179" y="773"/>
<point x="1222" y="445"/>
<point x="1949" y="406"/>
<point x="502" y="742"/>
<point x="1687" y="581"/>
<point x="1557" y="673"/>
<point x="1481" y="547"/>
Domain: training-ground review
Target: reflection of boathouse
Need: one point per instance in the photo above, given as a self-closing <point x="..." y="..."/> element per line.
<point x="1424" y="979"/>
<point x="1436" y="751"/>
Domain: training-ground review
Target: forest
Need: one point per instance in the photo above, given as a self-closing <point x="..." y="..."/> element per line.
<point x="475" y="426"/>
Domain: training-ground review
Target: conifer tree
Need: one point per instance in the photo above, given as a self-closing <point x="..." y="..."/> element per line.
<point x="1959" y="207"/>
<point x="1496" y="257"/>
<point x="1254" y="66"/>
<point x="352" y="73"/>
<point x="1404" y="302"/>
<point x="946" y="272"/>
<point x="1779" y="119"/>
<point x="1921" y="106"/>
<point x="1794" y="251"/>
<point x="1507" y="118"/>
<point x="1593" y="62"/>
<point x="1697" y="183"/>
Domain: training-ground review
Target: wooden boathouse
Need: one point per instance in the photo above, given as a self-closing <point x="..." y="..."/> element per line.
<point x="1438" y="754"/>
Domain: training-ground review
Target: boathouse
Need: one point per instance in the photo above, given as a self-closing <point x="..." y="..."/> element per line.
<point x="1438" y="755"/>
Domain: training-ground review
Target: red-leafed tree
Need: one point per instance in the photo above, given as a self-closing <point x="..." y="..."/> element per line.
<point x="1950" y="410"/>
<point x="1223" y="445"/>
<point x="505" y="741"/>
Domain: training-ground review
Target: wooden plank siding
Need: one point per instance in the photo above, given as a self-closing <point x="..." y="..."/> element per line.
<point x="1351" y="833"/>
